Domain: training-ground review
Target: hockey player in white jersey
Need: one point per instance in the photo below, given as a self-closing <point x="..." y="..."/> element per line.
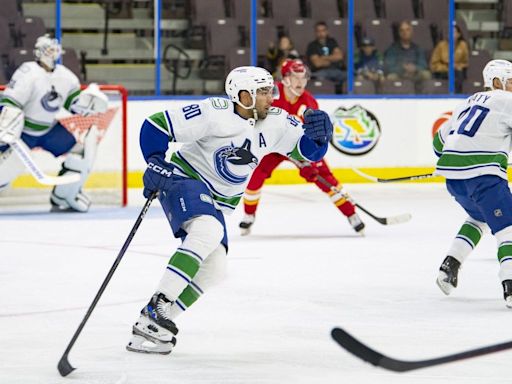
<point x="37" y="91"/>
<point x="223" y="142"/>
<point x="473" y="148"/>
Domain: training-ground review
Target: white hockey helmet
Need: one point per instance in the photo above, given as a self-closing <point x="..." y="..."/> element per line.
<point x="47" y="50"/>
<point x="501" y="69"/>
<point x="248" y="79"/>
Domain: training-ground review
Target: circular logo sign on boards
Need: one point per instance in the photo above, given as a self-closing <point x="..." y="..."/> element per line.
<point x="356" y="130"/>
<point x="441" y="120"/>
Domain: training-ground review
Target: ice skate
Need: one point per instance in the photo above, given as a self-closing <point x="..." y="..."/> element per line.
<point x="448" y="272"/>
<point x="356" y="223"/>
<point x="246" y="224"/>
<point x="507" y="292"/>
<point x="155" y="327"/>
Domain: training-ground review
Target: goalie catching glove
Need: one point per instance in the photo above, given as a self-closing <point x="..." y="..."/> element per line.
<point x="158" y="176"/>
<point x="90" y="101"/>
<point x="12" y="121"/>
<point x="317" y="126"/>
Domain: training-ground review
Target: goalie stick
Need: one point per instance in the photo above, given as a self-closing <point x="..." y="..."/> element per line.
<point x="396" y="179"/>
<point x="64" y="367"/>
<point x="398" y="219"/>
<point x="357" y="348"/>
<point x="23" y="152"/>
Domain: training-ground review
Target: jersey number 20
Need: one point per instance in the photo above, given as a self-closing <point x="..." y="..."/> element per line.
<point x="473" y="120"/>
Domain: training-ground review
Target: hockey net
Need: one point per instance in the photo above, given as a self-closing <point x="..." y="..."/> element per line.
<point x="107" y="183"/>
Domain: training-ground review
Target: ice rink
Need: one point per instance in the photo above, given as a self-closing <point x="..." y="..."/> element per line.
<point x="300" y="273"/>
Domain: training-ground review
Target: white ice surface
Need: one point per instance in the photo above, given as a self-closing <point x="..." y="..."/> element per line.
<point x="302" y="272"/>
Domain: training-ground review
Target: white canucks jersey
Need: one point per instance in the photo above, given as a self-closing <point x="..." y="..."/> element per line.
<point x="477" y="139"/>
<point x="41" y="94"/>
<point x="221" y="148"/>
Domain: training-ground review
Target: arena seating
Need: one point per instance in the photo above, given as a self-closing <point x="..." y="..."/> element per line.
<point x="214" y="34"/>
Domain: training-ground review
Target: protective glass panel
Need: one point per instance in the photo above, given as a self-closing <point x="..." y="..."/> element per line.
<point x="394" y="43"/>
<point x="315" y="32"/>
<point x="24" y="23"/>
<point x="111" y="42"/>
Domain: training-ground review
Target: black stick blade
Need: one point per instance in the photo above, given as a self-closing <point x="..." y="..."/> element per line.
<point x="355" y="347"/>
<point x="371" y="356"/>
<point x="64" y="366"/>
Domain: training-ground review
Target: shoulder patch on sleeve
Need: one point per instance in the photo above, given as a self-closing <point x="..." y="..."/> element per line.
<point x="275" y="111"/>
<point x="218" y="103"/>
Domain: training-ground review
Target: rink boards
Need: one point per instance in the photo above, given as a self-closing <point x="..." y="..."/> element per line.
<point x="386" y="137"/>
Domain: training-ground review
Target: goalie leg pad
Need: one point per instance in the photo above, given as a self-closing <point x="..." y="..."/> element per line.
<point x="69" y="197"/>
<point x="10" y="167"/>
<point x="11" y="123"/>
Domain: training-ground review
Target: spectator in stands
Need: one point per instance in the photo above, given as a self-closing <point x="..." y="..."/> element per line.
<point x="369" y="64"/>
<point x="405" y="59"/>
<point x="439" y="62"/>
<point x="325" y="56"/>
<point x="276" y="55"/>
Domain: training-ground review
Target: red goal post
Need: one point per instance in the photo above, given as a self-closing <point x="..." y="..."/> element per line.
<point x="118" y="99"/>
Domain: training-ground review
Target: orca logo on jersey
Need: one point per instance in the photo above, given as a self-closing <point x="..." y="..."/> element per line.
<point x="356" y="130"/>
<point x="51" y="101"/>
<point x="230" y="156"/>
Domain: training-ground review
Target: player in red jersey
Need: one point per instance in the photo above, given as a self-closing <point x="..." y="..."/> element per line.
<point x="294" y="99"/>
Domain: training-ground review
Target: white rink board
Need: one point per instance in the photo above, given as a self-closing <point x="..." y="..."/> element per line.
<point x="406" y="125"/>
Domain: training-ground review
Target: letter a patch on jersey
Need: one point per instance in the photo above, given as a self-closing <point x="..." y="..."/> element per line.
<point x="262" y="141"/>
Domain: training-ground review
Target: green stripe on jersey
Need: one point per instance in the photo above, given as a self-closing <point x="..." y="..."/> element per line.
<point x="8" y="100"/>
<point x="504" y="250"/>
<point x="185" y="263"/>
<point x="471" y="233"/>
<point x="72" y="96"/>
<point x="35" y="126"/>
<point x="231" y="201"/>
<point x="189" y="296"/>
<point x="459" y="161"/>
<point x="160" y="120"/>
<point x="438" y="143"/>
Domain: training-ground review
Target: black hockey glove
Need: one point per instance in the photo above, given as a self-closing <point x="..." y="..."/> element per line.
<point x="317" y="126"/>
<point x="158" y="176"/>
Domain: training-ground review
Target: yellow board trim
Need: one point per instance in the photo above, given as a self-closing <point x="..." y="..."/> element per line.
<point x="279" y="176"/>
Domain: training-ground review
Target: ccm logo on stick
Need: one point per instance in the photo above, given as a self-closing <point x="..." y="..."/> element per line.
<point x="160" y="170"/>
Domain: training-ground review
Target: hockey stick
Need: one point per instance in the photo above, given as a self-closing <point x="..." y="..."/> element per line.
<point x="398" y="219"/>
<point x="23" y="152"/>
<point x="396" y="179"/>
<point x="64" y="366"/>
<point x="371" y="356"/>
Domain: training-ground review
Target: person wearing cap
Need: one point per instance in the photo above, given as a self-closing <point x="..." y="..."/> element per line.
<point x="369" y="64"/>
<point x="295" y="99"/>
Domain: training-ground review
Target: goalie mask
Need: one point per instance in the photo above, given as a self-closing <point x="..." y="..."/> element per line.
<point x="500" y="69"/>
<point x="248" y="79"/>
<point x="47" y="51"/>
